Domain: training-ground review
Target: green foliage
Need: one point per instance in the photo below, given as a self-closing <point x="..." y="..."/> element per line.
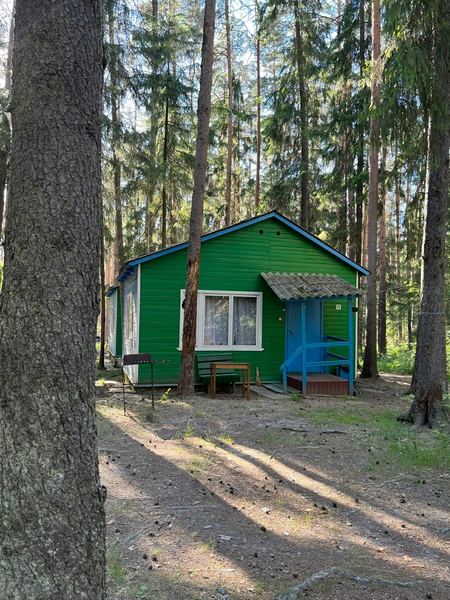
<point x="114" y="569"/>
<point x="398" y="359"/>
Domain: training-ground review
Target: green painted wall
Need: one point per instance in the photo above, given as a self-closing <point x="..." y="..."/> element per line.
<point x="233" y="262"/>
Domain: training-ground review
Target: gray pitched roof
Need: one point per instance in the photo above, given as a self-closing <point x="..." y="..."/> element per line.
<point x="296" y="286"/>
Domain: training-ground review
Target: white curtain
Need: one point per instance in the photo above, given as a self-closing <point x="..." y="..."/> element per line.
<point x="217" y="310"/>
<point x="244" y="321"/>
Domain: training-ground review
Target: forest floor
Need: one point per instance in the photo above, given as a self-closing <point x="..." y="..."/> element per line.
<point x="321" y="498"/>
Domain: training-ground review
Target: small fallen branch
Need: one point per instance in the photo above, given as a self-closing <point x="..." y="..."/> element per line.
<point x="352" y="512"/>
<point x="334" y="431"/>
<point x="397" y="480"/>
<point x="293" y="593"/>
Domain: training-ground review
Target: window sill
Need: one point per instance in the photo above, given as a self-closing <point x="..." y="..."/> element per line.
<point x="226" y="349"/>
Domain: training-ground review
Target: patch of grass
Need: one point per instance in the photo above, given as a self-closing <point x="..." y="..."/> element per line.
<point x="425" y="449"/>
<point x="226" y="438"/>
<point x="199" y="414"/>
<point x="114" y="569"/>
<point x="190" y="431"/>
<point x="343" y="416"/>
<point x="309" y="518"/>
<point x="142" y="592"/>
<point x="200" y="464"/>
<point x="295" y="397"/>
<point x="165" y="395"/>
<point x="210" y="545"/>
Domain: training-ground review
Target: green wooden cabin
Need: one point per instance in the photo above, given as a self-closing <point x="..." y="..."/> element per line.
<point x="248" y="303"/>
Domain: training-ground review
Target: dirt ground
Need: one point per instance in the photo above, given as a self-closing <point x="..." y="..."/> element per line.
<point x="290" y="498"/>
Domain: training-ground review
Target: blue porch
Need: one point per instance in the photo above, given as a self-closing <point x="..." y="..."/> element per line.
<point x="310" y="355"/>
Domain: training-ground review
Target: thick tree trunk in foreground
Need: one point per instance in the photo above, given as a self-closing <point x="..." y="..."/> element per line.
<point x="51" y="502"/>
<point x="370" y="352"/>
<point x="186" y="381"/>
<point x="430" y="365"/>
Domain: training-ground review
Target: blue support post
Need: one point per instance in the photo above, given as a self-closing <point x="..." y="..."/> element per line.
<point x="351" y="354"/>
<point x="284" y="380"/>
<point x="304" y="382"/>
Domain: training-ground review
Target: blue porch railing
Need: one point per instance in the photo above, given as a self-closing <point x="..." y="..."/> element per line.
<point x="329" y="342"/>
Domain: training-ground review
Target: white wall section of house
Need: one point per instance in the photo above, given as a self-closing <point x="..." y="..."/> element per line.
<point x="130" y="322"/>
<point x="112" y="323"/>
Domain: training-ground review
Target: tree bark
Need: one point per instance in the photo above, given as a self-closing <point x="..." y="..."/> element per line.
<point x="398" y="254"/>
<point x="430" y="368"/>
<point x="101" y="358"/>
<point x="165" y="156"/>
<point x="382" y="340"/>
<point x="258" y="108"/>
<point x="360" y="161"/>
<point x="118" y="239"/>
<point x="153" y="134"/>
<point x="304" y="180"/>
<point x="4" y="152"/>
<point x="370" y="352"/>
<point x="230" y="120"/>
<point x="186" y="381"/>
<point x="52" y="538"/>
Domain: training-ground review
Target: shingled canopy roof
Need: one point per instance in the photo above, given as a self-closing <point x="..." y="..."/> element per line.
<point x="300" y="286"/>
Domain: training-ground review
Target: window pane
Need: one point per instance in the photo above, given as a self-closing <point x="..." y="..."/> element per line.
<point x="217" y="309"/>
<point x="244" y="321"/>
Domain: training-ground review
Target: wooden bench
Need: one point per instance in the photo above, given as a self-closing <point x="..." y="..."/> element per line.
<point x="224" y="376"/>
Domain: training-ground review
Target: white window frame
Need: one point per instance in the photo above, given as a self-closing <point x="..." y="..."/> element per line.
<point x="129" y="319"/>
<point x="201" y="319"/>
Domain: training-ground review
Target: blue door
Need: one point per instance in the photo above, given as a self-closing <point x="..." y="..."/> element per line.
<point x="313" y="318"/>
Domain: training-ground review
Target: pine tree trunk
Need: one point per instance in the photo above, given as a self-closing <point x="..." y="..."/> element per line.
<point x="409" y="272"/>
<point x="186" y="381"/>
<point x="118" y="238"/>
<point x="230" y="120"/>
<point x="52" y="538"/>
<point x="382" y="341"/>
<point x="430" y="365"/>
<point x="304" y="179"/>
<point x="258" y="109"/>
<point x="360" y="162"/>
<point x="164" y="190"/>
<point x="101" y="358"/>
<point x="152" y="154"/>
<point x="397" y="255"/>
<point x="370" y="352"/>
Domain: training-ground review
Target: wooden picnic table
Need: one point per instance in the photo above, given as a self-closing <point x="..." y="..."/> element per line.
<point x="221" y="365"/>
